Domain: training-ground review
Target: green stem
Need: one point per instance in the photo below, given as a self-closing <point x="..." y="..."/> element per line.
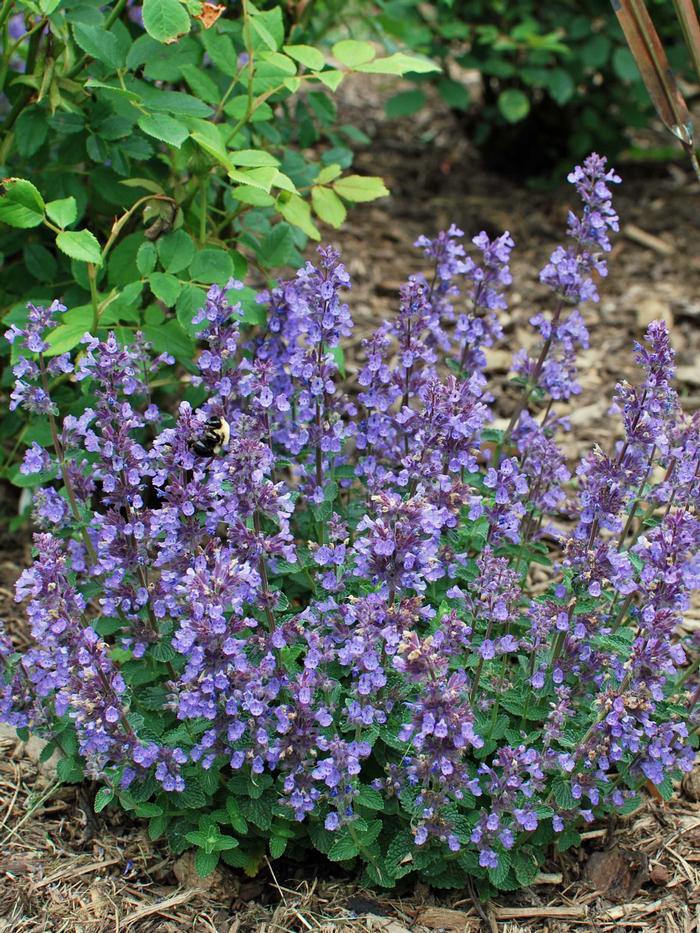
<point x="94" y="297"/>
<point x="203" y="201"/>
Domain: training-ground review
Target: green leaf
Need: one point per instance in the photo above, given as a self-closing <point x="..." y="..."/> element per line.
<point x="497" y="876"/>
<point x="146" y="258"/>
<point x="258" y="810"/>
<point x="328" y="173"/>
<point x="21" y="204"/>
<point x="236" y="818"/>
<point x="277" y="846"/>
<point x="277" y="248"/>
<point x="596" y="51"/>
<point x="269" y="26"/>
<point x="328" y="206"/>
<point x="99" y="44"/>
<point x="201" y="83"/>
<point x="298" y="213"/>
<point x="163" y="127"/>
<point x="624" y="64"/>
<point x="405" y="103"/>
<point x="562" y="794"/>
<point x="165" y="20"/>
<point x="399" y="64"/>
<point x="331" y="79"/>
<point x="166" y="287"/>
<point x="255" y="196"/>
<point x="262" y="177"/>
<point x="513" y="105"/>
<point x="352" y="52"/>
<point x="191" y="299"/>
<point x="205" y="862"/>
<point x="39" y="262"/>
<point x="568" y="839"/>
<point x="525" y="867"/>
<point x="80" y="244"/>
<point x="69" y="770"/>
<point x="30" y="130"/>
<point x="454" y="93"/>
<point x="170" y="338"/>
<point x="343" y="848"/>
<point x="560" y="85"/>
<point x="253" y="158"/>
<point x="360" y="188"/>
<point x="306" y="55"/>
<point x="212" y="266"/>
<point x="65" y="337"/>
<point x="369" y="797"/>
<point x="176" y="251"/>
<point x="62" y="212"/>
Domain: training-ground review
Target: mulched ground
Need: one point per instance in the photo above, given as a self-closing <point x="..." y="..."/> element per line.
<point x="64" y="870"/>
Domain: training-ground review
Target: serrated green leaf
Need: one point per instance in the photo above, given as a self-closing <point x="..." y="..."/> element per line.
<point x="278" y="846"/>
<point x="298" y="213"/>
<point x="306" y="55"/>
<point x="370" y="798"/>
<point x="21" y="204"/>
<point x="146" y="258"/>
<point x="253" y="158"/>
<point x="332" y="79"/>
<point x="103" y="797"/>
<point x="497" y="876"/>
<point x="62" y="212"/>
<point x="99" y="44"/>
<point x="163" y="127"/>
<point x="352" y="52"/>
<point x="212" y="266"/>
<point x="176" y="251"/>
<point x="205" y="862"/>
<point x="165" y="287"/>
<point x="399" y="64"/>
<point x="360" y="188"/>
<point x="70" y="771"/>
<point x="343" y="848"/>
<point x="328" y="206"/>
<point x="235" y="815"/>
<point x="80" y="244"/>
<point x="165" y="20"/>
<point x="65" y="337"/>
<point x="31" y="130"/>
<point x="277" y="247"/>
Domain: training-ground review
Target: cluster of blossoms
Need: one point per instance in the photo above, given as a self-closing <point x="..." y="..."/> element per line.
<point x="321" y="631"/>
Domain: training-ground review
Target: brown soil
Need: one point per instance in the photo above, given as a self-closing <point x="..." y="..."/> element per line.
<point x="62" y="870"/>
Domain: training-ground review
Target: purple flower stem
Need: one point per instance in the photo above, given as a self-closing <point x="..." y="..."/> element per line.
<point x="520" y="408"/>
<point x="262" y="570"/>
<point x="60" y="456"/>
<point x="637" y="499"/>
<point x="480" y="665"/>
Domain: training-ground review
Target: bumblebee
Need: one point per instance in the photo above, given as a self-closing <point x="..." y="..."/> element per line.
<point x="213" y="439"/>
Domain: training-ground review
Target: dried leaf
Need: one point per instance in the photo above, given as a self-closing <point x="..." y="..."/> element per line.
<point x="210" y="13"/>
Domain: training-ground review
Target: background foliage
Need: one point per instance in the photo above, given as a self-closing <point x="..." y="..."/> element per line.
<point x="153" y="151"/>
<point x="558" y="78"/>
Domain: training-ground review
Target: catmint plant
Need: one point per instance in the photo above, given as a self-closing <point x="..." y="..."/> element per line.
<point x="321" y="632"/>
